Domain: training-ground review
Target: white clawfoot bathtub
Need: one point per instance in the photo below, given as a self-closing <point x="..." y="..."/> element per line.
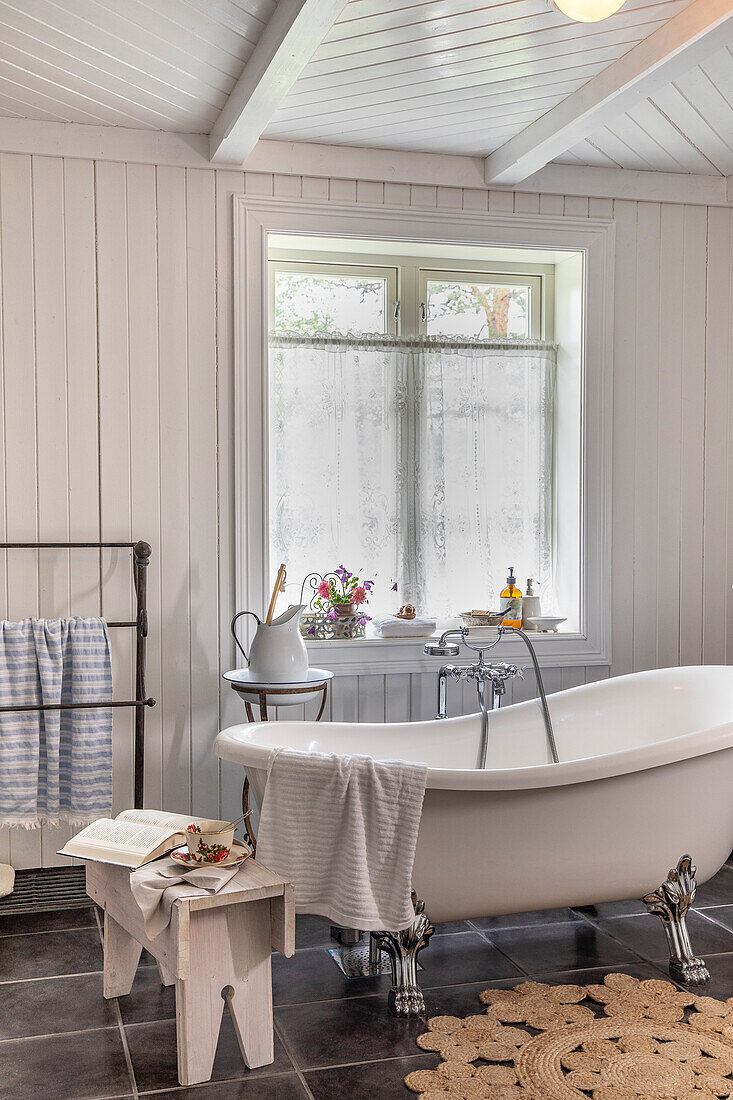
<point x="645" y="775"/>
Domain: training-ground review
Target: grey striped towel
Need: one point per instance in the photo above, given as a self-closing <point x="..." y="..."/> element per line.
<point x="55" y="766"/>
<point x="343" y="830"/>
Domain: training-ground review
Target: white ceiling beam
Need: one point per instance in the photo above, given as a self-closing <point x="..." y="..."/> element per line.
<point x="676" y="47"/>
<point x="288" y="42"/>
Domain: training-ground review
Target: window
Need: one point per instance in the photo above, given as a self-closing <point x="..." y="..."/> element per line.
<point x="318" y="297"/>
<point x="575" y="260"/>
<point x="412" y="412"/>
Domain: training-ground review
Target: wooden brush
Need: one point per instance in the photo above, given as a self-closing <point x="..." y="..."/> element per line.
<point x="279" y="587"/>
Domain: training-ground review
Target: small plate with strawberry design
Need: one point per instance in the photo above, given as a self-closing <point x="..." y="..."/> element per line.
<point x="238" y="854"/>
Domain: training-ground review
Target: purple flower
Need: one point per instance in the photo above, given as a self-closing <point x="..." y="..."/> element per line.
<point x="311" y="632"/>
<point x="369" y="585"/>
<point x="363" y="619"/>
<point x="332" y="614"/>
<point x="394" y="586"/>
<point x="342" y="574"/>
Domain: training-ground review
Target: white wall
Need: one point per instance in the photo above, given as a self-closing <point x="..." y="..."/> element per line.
<point x="116" y="390"/>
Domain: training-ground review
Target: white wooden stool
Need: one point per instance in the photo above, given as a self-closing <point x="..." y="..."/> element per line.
<point x="215" y="946"/>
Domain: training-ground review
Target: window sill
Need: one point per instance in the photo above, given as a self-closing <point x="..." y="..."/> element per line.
<point x="372" y="656"/>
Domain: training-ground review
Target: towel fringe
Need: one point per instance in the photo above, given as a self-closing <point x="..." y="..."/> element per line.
<point x="64" y="820"/>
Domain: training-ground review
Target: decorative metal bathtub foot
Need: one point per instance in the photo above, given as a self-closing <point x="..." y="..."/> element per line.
<point x="405" y="997"/>
<point x="671" y="903"/>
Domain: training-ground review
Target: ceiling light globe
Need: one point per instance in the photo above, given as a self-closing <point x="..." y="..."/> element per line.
<point x="589" y="11"/>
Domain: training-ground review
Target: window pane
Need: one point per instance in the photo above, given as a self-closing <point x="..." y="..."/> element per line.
<point x="349" y="304"/>
<point x="478" y="311"/>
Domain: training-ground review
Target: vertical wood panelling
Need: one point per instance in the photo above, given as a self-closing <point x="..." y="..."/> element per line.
<point x="669" y="416"/>
<point x="717" y="384"/>
<point x="693" y="301"/>
<point x="115" y="489"/>
<point x="227" y="183"/>
<point x="117" y="390"/>
<point x="142" y="259"/>
<point x="203" y="484"/>
<point x="646" y="428"/>
<point x="51" y="412"/>
<point x="624" y="437"/>
<point x="20" y="409"/>
<point x="174" y="476"/>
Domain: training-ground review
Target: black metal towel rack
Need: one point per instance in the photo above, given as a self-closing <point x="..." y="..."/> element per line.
<point x="141" y="552"/>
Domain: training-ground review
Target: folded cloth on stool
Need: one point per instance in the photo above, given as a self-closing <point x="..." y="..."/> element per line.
<point x="343" y="830"/>
<point x="389" y="626"/>
<point x="156" y="886"/>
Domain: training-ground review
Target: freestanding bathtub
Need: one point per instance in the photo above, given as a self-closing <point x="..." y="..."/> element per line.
<point x="645" y="775"/>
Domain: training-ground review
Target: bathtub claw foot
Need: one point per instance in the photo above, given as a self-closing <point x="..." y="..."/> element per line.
<point x="405" y="998"/>
<point x="692" y="972"/>
<point x="671" y="903"/>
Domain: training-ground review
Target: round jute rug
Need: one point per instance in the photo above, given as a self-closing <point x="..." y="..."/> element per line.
<point x="623" y="1039"/>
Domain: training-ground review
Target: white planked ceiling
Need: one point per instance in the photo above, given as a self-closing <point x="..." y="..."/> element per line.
<point x="685" y="127"/>
<point x="150" y="64"/>
<point x="454" y="76"/>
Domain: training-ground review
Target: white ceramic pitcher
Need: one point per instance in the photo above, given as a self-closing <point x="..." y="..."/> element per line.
<point x="277" y="654"/>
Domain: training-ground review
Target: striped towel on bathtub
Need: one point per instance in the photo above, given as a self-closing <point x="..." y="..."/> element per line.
<point x="55" y="766"/>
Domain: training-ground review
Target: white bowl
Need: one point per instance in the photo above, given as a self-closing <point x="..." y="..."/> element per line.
<point x="547" y="622"/>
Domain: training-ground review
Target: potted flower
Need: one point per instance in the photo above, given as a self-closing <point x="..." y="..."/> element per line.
<point x="341" y="594"/>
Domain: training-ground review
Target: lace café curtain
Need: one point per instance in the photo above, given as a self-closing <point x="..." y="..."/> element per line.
<point x="420" y="461"/>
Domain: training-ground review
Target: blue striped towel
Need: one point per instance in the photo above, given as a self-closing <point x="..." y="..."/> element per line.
<point x="55" y="766"/>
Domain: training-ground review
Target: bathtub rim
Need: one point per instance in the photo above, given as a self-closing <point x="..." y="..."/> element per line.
<point x="230" y="745"/>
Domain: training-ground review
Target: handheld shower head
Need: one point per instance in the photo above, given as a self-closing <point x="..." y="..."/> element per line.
<point x="442" y="649"/>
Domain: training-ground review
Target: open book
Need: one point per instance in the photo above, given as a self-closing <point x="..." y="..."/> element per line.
<point x="134" y="837"/>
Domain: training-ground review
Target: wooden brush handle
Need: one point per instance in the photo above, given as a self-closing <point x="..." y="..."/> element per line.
<point x="279" y="587"/>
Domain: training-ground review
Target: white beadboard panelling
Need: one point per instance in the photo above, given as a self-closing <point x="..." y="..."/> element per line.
<point x="152" y="64"/>
<point x="439" y="77"/>
<point x="116" y="386"/>
<point x="142" y="258"/>
<point x="175" y="474"/>
<point x="685" y="126"/>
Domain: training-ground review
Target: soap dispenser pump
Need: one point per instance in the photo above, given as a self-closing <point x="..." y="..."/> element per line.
<point x="530" y="607"/>
<point x="511" y="602"/>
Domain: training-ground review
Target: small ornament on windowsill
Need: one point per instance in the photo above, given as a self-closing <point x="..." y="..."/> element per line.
<point x="407" y="611"/>
<point x="334" y="608"/>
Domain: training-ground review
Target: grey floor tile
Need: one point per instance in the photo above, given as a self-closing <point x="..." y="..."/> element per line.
<point x="54" y="1005"/>
<point x="312" y="975"/>
<point x="52" y="920"/>
<point x="153" y="1053"/>
<point x="148" y="999"/>
<point x="279" y="1087"/>
<point x="49" y="954"/>
<point x="526" y="920"/>
<point x="645" y="935"/>
<point x="79" y="1066"/>
<point x="463" y="957"/>
<point x="365" y="1082"/>
<point x="717" y="890"/>
<point x="332" y="1033"/>
<point x="573" y="946"/>
<point x="313" y="931"/>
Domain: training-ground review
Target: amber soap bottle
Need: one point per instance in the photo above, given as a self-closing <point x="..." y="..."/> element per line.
<point x="511" y="602"/>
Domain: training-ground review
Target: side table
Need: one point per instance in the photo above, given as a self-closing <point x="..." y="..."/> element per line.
<point x="216" y="946"/>
<point x="280" y="695"/>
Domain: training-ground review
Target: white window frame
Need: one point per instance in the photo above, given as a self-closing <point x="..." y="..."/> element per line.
<point x="254" y="219"/>
<point x="337" y="267"/>
<point x="498" y="278"/>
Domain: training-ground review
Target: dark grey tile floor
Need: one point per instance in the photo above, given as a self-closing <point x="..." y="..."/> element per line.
<point x="60" y="1040"/>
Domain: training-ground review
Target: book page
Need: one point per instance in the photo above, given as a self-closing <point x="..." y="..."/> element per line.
<point x="122" y="835"/>
<point x="162" y="818"/>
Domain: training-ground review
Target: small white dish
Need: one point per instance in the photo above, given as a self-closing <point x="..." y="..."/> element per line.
<point x="548" y="623"/>
<point x="238" y="854"/>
